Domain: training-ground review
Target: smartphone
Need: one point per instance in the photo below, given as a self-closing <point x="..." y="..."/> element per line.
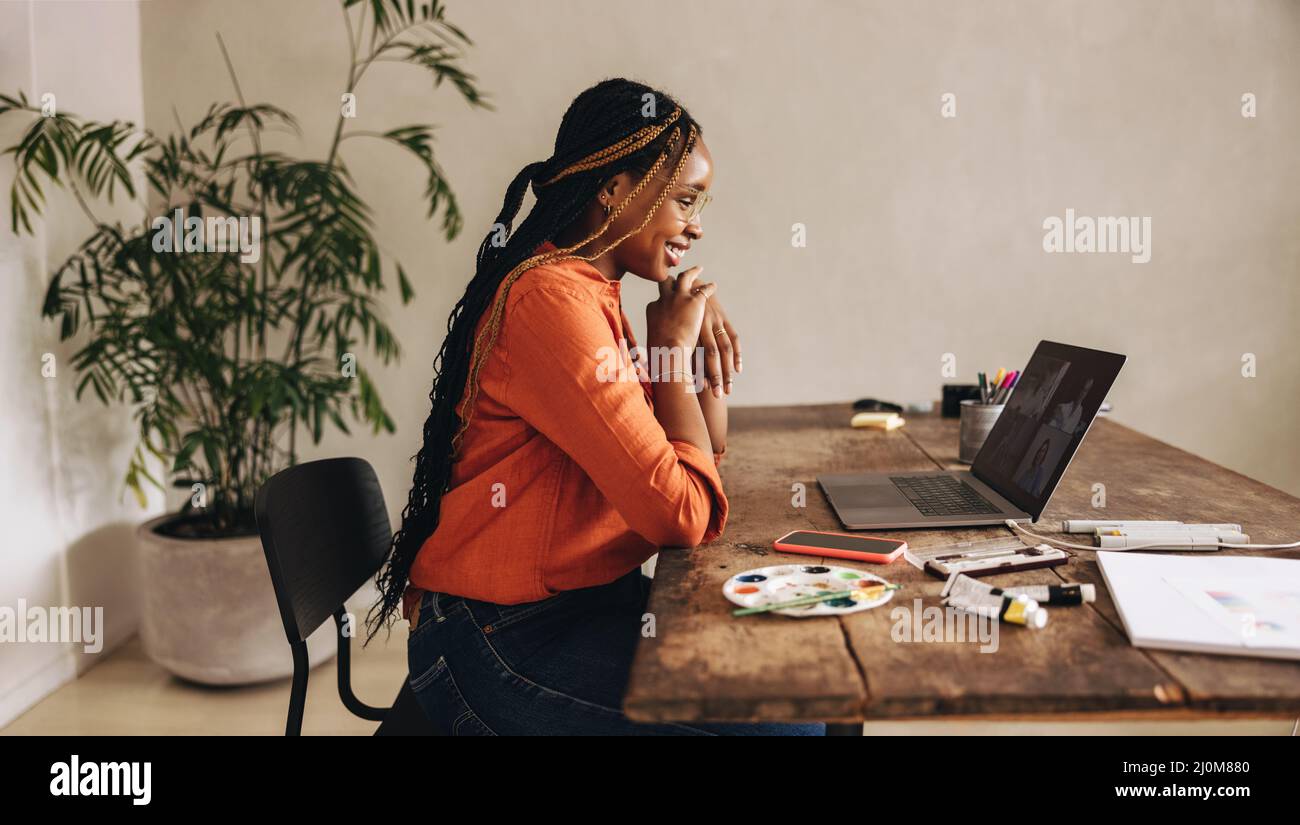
<point x="841" y="546"/>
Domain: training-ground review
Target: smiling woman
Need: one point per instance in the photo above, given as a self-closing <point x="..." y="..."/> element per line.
<point x="541" y="488"/>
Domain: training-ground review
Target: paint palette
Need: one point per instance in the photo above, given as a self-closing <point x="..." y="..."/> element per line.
<point x="783" y="582"/>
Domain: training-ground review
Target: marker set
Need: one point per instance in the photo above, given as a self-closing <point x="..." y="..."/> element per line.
<point x="999" y="389"/>
<point x="1157" y="535"/>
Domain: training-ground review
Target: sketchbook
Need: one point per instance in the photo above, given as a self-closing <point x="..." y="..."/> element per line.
<point x="1238" y="605"/>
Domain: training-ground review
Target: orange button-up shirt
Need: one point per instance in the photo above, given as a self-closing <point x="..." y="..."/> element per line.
<point x="565" y="478"/>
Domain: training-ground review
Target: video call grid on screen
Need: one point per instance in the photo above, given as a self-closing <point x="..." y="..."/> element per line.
<point x="1044" y="421"/>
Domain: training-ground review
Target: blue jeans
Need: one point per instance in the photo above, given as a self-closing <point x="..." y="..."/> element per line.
<point x="557" y="666"/>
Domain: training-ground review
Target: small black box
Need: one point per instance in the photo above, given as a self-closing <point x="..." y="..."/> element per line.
<point x="954" y="394"/>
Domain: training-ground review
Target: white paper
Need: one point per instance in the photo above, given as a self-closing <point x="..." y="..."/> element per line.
<point x="1165" y="602"/>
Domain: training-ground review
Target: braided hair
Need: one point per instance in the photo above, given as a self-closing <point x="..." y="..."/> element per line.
<point x="615" y="126"/>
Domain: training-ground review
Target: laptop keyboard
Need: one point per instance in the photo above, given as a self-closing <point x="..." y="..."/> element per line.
<point x="942" y="496"/>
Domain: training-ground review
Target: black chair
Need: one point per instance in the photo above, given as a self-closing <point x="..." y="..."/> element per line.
<point x="325" y="532"/>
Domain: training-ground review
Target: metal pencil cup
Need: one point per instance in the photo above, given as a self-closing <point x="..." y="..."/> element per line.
<point x="976" y="421"/>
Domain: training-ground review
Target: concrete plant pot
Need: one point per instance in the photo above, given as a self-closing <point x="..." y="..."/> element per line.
<point x="208" y="611"/>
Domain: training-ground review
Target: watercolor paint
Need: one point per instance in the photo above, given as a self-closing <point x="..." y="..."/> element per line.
<point x="768" y="585"/>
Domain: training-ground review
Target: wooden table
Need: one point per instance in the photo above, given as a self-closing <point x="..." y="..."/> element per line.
<point x="702" y="664"/>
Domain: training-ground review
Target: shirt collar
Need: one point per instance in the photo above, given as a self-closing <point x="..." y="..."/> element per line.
<point x="583" y="268"/>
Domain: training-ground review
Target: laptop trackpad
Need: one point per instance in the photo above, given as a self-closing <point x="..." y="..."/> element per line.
<point x="869" y="496"/>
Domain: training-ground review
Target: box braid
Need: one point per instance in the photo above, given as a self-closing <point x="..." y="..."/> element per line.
<point x="605" y="131"/>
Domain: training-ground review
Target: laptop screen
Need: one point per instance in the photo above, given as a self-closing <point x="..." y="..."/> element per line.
<point x="1044" y="421"/>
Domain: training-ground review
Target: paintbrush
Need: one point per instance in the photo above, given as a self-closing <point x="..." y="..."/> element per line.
<point x="857" y="594"/>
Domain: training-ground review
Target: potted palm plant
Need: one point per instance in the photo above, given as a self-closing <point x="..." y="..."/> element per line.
<point x="233" y="321"/>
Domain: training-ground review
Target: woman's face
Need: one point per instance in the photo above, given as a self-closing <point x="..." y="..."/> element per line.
<point x="662" y="244"/>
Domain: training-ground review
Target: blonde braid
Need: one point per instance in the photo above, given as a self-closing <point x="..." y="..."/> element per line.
<point x="634" y="142"/>
<point x="672" y="181"/>
<point x="491" y="328"/>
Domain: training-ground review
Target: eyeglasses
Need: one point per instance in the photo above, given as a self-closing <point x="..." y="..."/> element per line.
<point x="698" y="200"/>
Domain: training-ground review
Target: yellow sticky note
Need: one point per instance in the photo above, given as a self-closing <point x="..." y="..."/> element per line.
<point x="877" y="420"/>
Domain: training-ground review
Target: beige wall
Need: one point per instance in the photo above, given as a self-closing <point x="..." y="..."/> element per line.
<point x="924" y="233"/>
<point x="67" y="534"/>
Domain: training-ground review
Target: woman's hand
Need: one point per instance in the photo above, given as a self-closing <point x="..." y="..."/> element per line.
<point x="721" y="348"/>
<point x="676" y="317"/>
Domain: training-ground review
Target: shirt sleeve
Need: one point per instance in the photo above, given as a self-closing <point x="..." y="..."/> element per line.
<point x="559" y="347"/>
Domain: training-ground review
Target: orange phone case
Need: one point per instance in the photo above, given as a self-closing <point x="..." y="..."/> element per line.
<point x="855" y="555"/>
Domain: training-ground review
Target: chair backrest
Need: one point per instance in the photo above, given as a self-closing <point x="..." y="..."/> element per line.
<point x="325" y="531"/>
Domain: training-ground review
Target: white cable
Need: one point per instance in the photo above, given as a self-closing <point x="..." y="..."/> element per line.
<point x="1015" y="525"/>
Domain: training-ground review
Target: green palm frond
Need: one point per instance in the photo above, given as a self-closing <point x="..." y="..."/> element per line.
<point x="186" y="338"/>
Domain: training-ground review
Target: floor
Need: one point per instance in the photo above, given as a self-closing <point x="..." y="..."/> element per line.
<point x="128" y="694"/>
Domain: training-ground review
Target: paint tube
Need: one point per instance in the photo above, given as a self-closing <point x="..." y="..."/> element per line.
<point x="1058" y="594"/>
<point x="966" y="593"/>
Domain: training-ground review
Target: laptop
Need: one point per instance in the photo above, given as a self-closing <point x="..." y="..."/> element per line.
<point x="1016" y="471"/>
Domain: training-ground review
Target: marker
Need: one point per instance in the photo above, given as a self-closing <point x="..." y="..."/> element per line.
<point x="1015" y="378"/>
<point x="1004" y="388"/>
<point x="1187" y="541"/>
<point x="1086" y="526"/>
<point x="1172" y="528"/>
<point x="1178" y="535"/>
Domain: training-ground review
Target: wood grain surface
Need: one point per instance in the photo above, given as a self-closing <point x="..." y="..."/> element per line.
<point x="703" y="664"/>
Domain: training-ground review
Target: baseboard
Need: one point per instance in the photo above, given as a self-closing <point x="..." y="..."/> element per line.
<point x="58" y="672"/>
<point x="32" y="689"/>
